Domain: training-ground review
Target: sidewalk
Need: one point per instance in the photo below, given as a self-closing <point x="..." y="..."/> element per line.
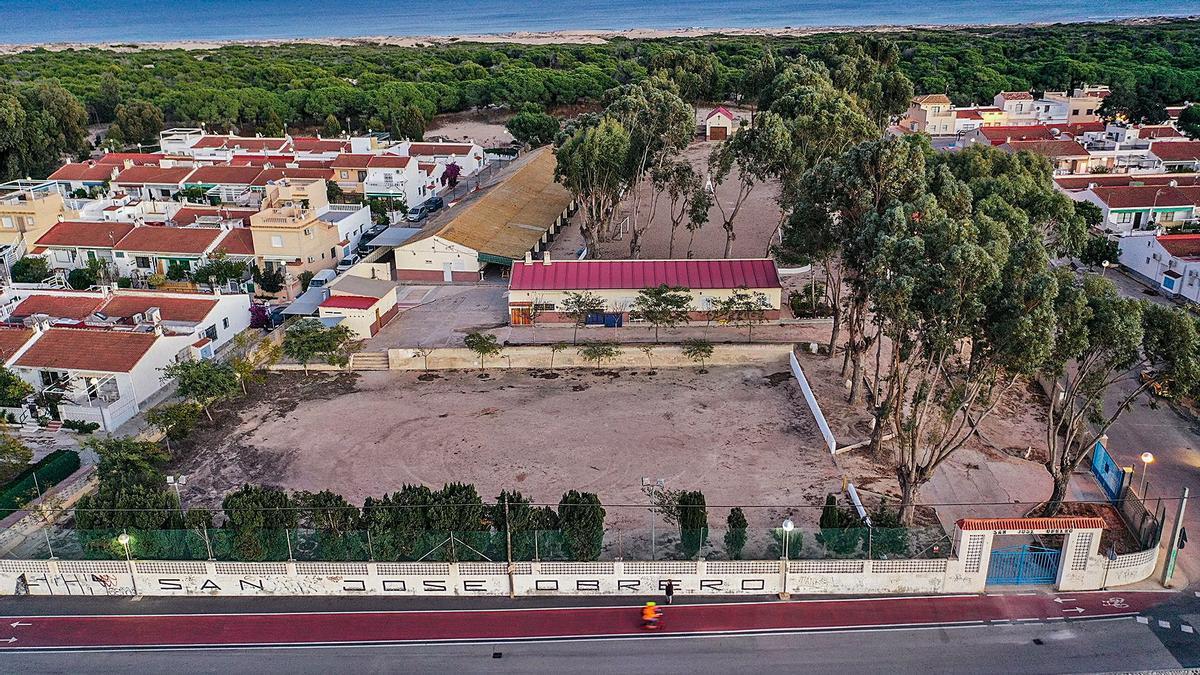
<point x="816" y="330"/>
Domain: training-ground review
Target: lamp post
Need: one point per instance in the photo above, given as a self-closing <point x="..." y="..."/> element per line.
<point x="1110" y="558"/>
<point x="178" y="482"/>
<point x="788" y="526"/>
<point x="1147" y="460"/>
<point x="123" y="538"/>
<point x="1104" y="264"/>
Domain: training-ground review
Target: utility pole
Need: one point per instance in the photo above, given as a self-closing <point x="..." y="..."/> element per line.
<point x="512" y="589"/>
<point x="1176" y="537"/>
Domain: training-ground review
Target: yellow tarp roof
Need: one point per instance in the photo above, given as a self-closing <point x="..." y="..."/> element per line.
<point x="511" y="218"/>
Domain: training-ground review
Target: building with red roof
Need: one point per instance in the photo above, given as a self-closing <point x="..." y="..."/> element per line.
<point x="1066" y="156"/>
<point x="125" y="159"/>
<point x="1170" y="262"/>
<point x="537" y="288"/>
<point x="70" y="306"/>
<point x="12" y="342"/>
<point x="276" y="174"/>
<point x="719" y="124"/>
<point x="1134" y="208"/>
<point x="72" y="243"/>
<point x="151" y="182"/>
<point x="1177" y="155"/>
<point x="74" y="176"/>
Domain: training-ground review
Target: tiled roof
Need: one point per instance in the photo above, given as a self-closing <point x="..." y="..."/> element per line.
<point x="239" y="241"/>
<point x="313" y="163"/>
<point x="242" y="143"/>
<point x="428" y="167"/>
<point x="968" y="114"/>
<point x="349" y="302"/>
<point x="105" y="351"/>
<point x="939" y="99"/>
<point x="261" y="160"/>
<point x="1080" y="128"/>
<point x="1059" y="523"/>
<point x="352" y="161"/>
<point x="87" y="234"/>
<point x="389" y="162"/>
<point x="1001" y="135"/>
<point x="720" y="110"/>
<point x="567" y="275"/>
<point x="1176" y="151"/>
<point x="279" y="173"/>
<point x="1159" y="132"/>
<point x="1122" y="179"/>
<point x="427" y="149"/>
<point x="76" y="307"/>
<point x="83" y="171"/>
<point x="188" y="215"/>
<point x="1049" y="148"/>
<point x="1142" y="196"/>
<point x="12" y="339"/>
<point x="192" y="310"/>
<point x="1181" y="245"/>
<point x="228" y="175"/>
<point x="155" y="239"/>
<point x="305" y="144"/>
<point x="1016" y="96"/>
<point x="149" y="174"/>
<point x="138" y="158"/>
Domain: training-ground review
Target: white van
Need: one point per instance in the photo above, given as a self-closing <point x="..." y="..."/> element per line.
<point x="322" y="278"/>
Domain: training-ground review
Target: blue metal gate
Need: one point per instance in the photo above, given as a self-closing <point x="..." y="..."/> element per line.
<point x="1107" y="473"/>
<point x="1023" y="564"/>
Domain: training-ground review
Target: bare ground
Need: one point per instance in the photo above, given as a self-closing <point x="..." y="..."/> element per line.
<point x="742" y="435"/>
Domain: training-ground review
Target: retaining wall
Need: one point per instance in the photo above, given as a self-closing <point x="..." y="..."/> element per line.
<point x="631" y="356"/>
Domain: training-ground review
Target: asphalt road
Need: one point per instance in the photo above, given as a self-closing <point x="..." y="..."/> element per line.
<point x="1088" y="646"/>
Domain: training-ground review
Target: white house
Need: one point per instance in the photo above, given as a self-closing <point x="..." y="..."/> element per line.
<point x="395" y="177"/>
<point x="1170" y="262"/>
<point x="1138" y="208"/>
<point x="468" y="156"/>
<point x="72" y="244"/>
<point x="719" y="124"/>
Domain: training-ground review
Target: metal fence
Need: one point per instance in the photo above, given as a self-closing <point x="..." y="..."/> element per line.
<point x="486" y="545"/>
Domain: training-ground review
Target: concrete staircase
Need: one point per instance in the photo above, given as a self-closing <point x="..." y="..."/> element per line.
<point x="369" y="361"/>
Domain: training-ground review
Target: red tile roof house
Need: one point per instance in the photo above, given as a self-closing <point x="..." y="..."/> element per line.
<point x="151" y="249"/>
<point x="1177" y="155"/>
<point x="105" y="375"/>
<point x="719" y="124"/>
<point x="1170" y="262"/>
<point x="468" y="156"/>
<point x="1133" y="208"/>
<point x="537" y="288"/>
<point x="1067" y="157"/>
<point x="72" y="244"/>
<point x="153" y="182"/>
<point x="216" y="318"/>
<point x="83" y="175"/>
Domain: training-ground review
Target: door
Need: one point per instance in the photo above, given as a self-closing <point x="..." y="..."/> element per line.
<point x="1024" y="564"/>
<point x="1137" y="220"/>
<point x="521" y="316"/>
<point x="447" y="272"/>
<point x="716" y="133"/>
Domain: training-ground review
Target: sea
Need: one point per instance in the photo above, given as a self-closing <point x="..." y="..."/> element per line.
<point x="109" y="21"/>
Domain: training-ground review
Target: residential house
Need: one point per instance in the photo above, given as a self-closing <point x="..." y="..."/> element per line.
<point x="395" y="177"/>
<point x="1006" y="134"/>
<point x="289" y="234"/>
<point x="84" y="177"/>
<point x="154" y="249"/>
<point x="1076" y="184"/>
<point x="719" y="124"/>
<point x="1129" y="209"/>
<point x="350" y="170"/>
<point x="1066" y="156"/>
<point x="224" y="183"/>
<point x="1169" y="262"/>
<point x="468" y="156"/>
<point x="27" y="210"/>
<point x="72" y="244"/>
<point x="1019" y="108"/>
<point x="151" y="182"/>
<point x="537" y="289"/>
<point x="275" y="174"/>
<point x="513" y="218"/>
<point x="931" y="114"/>
<point x="1181" y="156"/>
<point x="363" y="299"/>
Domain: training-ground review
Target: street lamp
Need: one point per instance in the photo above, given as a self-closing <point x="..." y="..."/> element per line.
<point x="1104" y="264"/>
<point x="123" y="538"/>
<point x="178" y="482"/>
<point x="1110" y="558"/>
<point x="788" y="526"/>
<point x="1147" y="459"/>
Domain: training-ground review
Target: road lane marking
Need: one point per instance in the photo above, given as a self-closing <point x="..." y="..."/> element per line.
<point x="1186" y="628"/>
<point x="1142" y="619"/>
<point x="1164" y="624"/>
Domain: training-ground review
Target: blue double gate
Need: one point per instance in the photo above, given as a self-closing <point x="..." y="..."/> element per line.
<point x="1110" y="476"/>
<point x="1024" y="564"/>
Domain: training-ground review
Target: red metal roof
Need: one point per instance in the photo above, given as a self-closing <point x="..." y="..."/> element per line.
<point x="567" y="275"/>
<point x="725" y="111"/>
<point x="349" y="302"/>
<point x="1181" y="245"/>
<point x="1059" y="523"/>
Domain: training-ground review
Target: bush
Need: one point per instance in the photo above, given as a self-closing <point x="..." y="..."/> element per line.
<point x="81" y="426"/>
<point x="52" y="470"/>
<point x="735" y="535"/>
<point x="809" y="302"/>
<point x="840" y="529"/>
<point x="124" y="282"/>
<point x="693" y="522"/>
<point x="30" y="270"/>
<point x="82" y="279"/>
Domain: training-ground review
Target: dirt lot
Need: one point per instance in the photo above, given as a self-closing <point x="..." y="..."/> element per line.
<point x="485" y="127"/>
<point x="753" y="227"/>
<point x="741" y="435"/>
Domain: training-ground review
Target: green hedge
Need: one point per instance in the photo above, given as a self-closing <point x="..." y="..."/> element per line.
<point x="51" y="471"/>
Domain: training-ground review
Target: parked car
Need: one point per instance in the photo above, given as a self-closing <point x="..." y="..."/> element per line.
<point x="347" y="262"/>
<point x="434" y="203"/>
<point x="322" y="278"/>
<point x="417" y="214"/>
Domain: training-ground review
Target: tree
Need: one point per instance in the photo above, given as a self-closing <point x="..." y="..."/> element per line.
<point x="81" y="278"/>
<point x="744" y="308"/>
<point x="514" y="516"/>
<point x="681" y="184"/>
<point x="260" y="316"/>
<point x="581" y="521"/>
<point x="205" y="381"/>
<point x="13" y="390"/>
<point x="398" y="523"/>
<point x="333" y="192"/>
<point x="533" y="126"/>
<point x="251" y="355"/>
<point x="174" y="420"/>
<point x="450" y="173"/>
<point x="1189" y="122"/>
<point x="331" y="127"/>
<point x="1102" y="340"/>
<point x="662" y="306"/>
<point x="219" y="270"/>
<point x="309" y="339"/>
<point x="1099" y="250"/>
<point x="693" y="522"/>
<point x="648" y="351"/>
<point x="423" y="354"/>
<point x="839" y="527"/>
<point x="578" y="307"/>
<point x="599" y="351"/>
<point x="131" y="491"/>
<point x="697" y="350"/>
<point x="30" y="270"/>
<point x="454" y="510"/>
<point x="15" y="457"/>
<point x="735" y="533"/>
<point x="137" y="122"/>
<point x="752" y="151"/>
<point x="269" y="281"/>
<point x="554" y="349"/>
<point x="306" y="278"/>
<point x="483" y="344"/>
<point x="592" y="166"/>
<point x="257" y="516"/>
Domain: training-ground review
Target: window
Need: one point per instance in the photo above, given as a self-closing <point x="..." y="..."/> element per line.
<point x="277" y="241"/>
<point x="7" y="221"/>
<point x="142" y="262"/>
<point x="345" y="175"/>
<point x="63" y="256"/>
<point x="119" y="254"/>
<point x="308" y="232"/>
<point x="332" y="252"/>
<point x="1126" y="217"/>
<point x="1075" y="111"/>
<point x="1020" y="107"/>
<point x="211" y="332"/>
<point x="1091" y="111"/>
<point x="225" y="322"/>
<point x="543" y="307"/>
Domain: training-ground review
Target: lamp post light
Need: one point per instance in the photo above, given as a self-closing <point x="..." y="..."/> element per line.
<point x="1147" y="460"/>
<point x="1104" y="265"/>
<point x="123" y="538"/>
<point x="788" y="526"/>
<point x="178" y="482"/>
<point x="1110" y="557"/>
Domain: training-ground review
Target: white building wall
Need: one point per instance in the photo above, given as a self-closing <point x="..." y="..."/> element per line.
<point x="433" y="253"/>
<point x="1142" y="254"/>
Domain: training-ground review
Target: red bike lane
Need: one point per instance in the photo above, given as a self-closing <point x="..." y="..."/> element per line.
<point x="206" y="630"/>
